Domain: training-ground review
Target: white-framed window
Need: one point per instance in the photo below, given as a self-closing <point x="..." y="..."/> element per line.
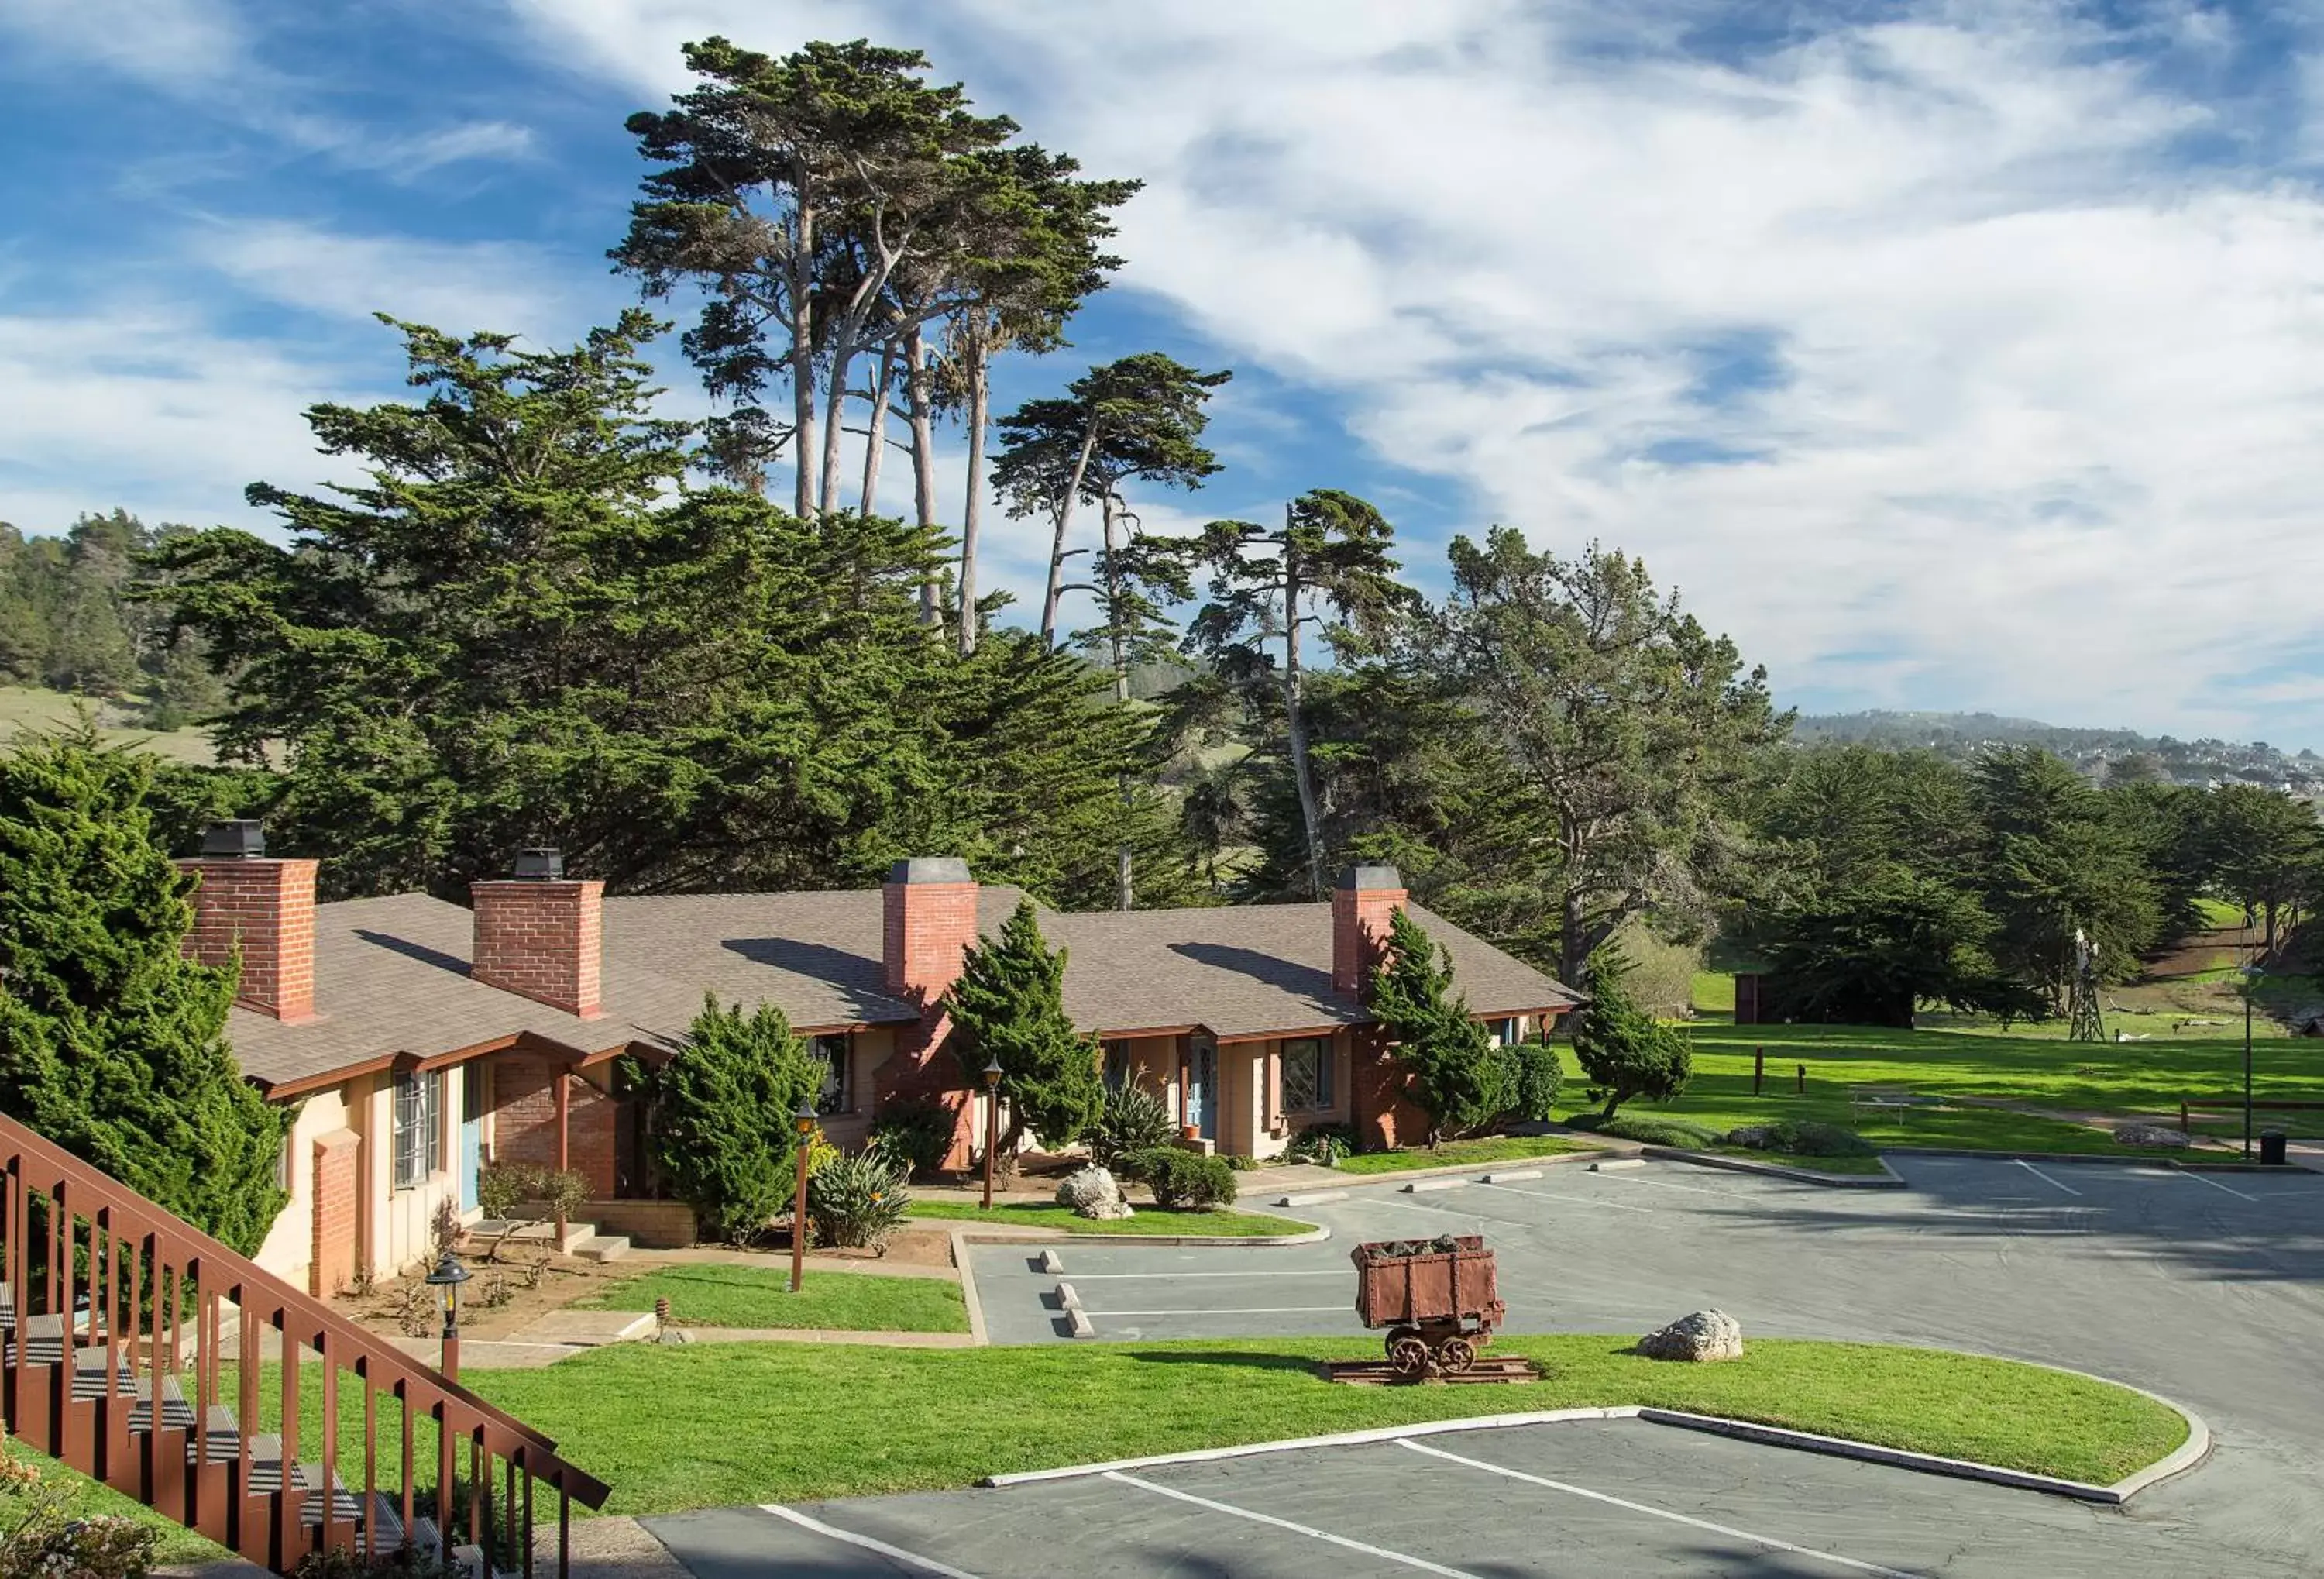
<point x="838" y="1093"/>
<point x="1505" y="1032"/>
<point x="419" y="1128"/>
<point x="1120" y="1070"/>
<point x="1306" y="1074"/>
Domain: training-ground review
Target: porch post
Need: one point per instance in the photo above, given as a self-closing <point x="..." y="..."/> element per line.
<point x="564" y="1117"/>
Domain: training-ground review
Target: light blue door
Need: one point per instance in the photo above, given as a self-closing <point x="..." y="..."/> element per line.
<point x="472" y="1132"/>
<point x="1202" y="1090"/>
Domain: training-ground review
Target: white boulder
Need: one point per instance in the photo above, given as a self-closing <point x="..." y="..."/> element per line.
<point x="1707" y="1335"/>
<point x="1092" y="1191"/>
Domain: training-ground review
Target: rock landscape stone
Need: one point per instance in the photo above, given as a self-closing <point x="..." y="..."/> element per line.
<point x="2148" y="1135"/>
<point x="1707" y="1335"/>
<point x="1092" y="1191"/>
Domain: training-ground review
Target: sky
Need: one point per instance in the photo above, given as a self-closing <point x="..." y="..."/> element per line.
<point x="1960" y="356"/>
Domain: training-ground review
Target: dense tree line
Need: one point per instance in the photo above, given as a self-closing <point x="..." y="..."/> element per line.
<point x="70" y="620"/>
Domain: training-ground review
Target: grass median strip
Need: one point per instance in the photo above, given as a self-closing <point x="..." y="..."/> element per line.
<point x="711" y="1294"/>
<point x="717" y="1424"/>
<point x="1151" y="1220"/>
<point x="1461" y="1154"/>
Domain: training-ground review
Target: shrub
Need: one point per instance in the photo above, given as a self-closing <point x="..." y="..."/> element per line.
<point x="856" y="1202"/>
<point x="1132" y="1120"/>
<point x="1183" y="1180"/>
<point x="1538" y="1074"/>
<point x="1651" y="1132"/>
<point x="1007" y="1007"/>
<point x="39" y="1537"/>
<point x="719" y="1123"/>
<point x="1457" y="1076"/>
<point x="918" y="1134"/>
<point x="1238" y="1162"/>
<point x="505" y="1191"/>
<point x="1323" y="1144"/>
<point x="1620" y="1047"/>
<point x="1804" y="1137"/>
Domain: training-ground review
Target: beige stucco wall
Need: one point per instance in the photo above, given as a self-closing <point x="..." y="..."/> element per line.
<point x="1250" y="1079"/>
<point x="289" y="1244"/>
<point x="867" y="1050"/>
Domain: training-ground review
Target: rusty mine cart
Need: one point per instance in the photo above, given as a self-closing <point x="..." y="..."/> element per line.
<point x="1435" y="1296"/>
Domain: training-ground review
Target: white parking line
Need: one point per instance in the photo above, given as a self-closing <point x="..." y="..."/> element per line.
<point x="1423" y="1563"/>
<point x="1577" y="1200"/>
<point x="2216" y="1185"/>
<point x="2045" y="1179"/>
<point x="1769" y="1541"/>
<point x="1262" y="1310"/>
<point x="1173" y="1276"/>
<point x="911" y="1560"/>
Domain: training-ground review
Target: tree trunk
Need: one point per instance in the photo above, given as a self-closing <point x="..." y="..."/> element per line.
<point x="802" y="360"/>
<point x="834" y="418"/>
<point x="980" y="396"/>
<point x="1120" y="660"/>
<point x="1295" y="724"/>
<point x="920" y="404"/>
<point x="875" y="443"/>
<point x="1057" y="536"/>
<point x="1572" y="949"/>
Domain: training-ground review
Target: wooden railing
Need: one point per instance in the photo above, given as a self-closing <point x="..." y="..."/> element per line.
<point x="150" y="1356"/>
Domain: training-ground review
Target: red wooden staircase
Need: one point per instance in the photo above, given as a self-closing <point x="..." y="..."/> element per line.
<point x="123" y="1333"/>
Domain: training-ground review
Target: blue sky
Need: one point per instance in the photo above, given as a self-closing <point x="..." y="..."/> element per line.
<point x="1960" y="356"/>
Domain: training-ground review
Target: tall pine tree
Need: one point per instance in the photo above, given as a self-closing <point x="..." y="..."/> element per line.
<point x="1459" y="1078"/>
<point x="1009" y="1006"/>
<point x="112" y="1044"/>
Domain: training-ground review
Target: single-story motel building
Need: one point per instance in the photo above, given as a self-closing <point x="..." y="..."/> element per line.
<point x="422" y="1040"/>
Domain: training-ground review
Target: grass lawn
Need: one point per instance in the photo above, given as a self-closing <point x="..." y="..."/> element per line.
<point x="2104" y="1077"/>
<point x="1224" y="1224"/>
<point x="91" y="1499"/>
<point x="22" y="707"/>
<point x="1462" y="1153"/>
<point x="705" y="1425"/>
<point x="713" y="1295"/>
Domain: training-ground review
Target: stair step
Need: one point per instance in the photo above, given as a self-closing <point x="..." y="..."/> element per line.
<point x="602" y="1247"/>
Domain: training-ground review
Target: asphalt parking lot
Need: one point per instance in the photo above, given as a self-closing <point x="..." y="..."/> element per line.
<point x="1578" y="1499"/>
<point x="2206" y="1288"/>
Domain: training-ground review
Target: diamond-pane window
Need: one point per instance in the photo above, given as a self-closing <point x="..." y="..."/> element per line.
<point x="1306" y="1076"/>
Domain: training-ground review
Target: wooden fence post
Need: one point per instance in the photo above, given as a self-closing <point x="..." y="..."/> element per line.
<point x="1759" y="1069"/>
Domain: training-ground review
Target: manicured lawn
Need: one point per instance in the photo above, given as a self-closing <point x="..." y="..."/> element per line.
<point x="2121" y="1078"/>
<point x="1149" y="1219"/>
<point x="712" y="1295"/>
<point x="1462" y="1153"/>
<point x="736" y="1423"/>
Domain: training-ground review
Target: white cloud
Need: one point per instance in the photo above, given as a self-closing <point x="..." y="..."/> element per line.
<point x="2039" y="427"/>
<point x="456" y="286"/>
<point x="168" y="41"/>
<point x="407" y="159"/>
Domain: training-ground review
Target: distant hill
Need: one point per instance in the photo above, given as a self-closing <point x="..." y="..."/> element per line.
<point x="2099" y="753"/>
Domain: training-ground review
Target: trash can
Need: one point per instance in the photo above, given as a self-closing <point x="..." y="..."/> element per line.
<point x="2271" y="1148"/>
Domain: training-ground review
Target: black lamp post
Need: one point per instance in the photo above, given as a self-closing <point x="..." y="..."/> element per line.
<point x="803" y="1122"/>
<point x="448" y="1275"/>
<point x="991" y="1123"/>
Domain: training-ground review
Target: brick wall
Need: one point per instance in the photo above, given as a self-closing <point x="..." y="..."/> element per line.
<point x="1360" y="924"/>
<point x="1384" y="1116"/>
<point x="925" y="928"/>
<point x="542" y="940"/>
<point x="524" y="1121"/>
<point x="267" y="910"/>
<point x="338" y="1184"/>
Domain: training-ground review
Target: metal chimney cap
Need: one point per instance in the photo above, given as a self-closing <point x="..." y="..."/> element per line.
<point x="1357" y="879"/>
<point x="931" y="869"/>
<point x="238" y="839"/>
<point x="540" y="865"/>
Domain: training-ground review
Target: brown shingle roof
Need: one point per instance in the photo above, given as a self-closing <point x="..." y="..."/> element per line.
<point x="391" y="974"/>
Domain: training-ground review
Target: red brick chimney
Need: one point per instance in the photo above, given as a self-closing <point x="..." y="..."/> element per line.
<point x="541" y="935"/>
<point x="266" y="910"/>
<point x="927" y="921"/>
<point x="1361" y="905"/>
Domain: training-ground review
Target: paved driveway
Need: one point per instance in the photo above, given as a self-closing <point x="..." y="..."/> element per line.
<point x="2209" y="1288"/>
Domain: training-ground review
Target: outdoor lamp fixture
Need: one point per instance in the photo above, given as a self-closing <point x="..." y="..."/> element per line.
<point x="991" y="1123"/>
<point x="2252" y="973"/>
<point x="803" y="1122"/>
<point x="448" y="1275"/>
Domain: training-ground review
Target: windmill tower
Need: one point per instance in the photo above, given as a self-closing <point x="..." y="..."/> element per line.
<point x="2083" y="1021"/>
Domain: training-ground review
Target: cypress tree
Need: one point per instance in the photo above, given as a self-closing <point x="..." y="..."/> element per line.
<point x="1008" y="1005"/>
<point x="112" y="1044"/>
<point x="720" y="1130"/>
<point x="1459" y="1078"/>
<point x="1623" y="1049"/>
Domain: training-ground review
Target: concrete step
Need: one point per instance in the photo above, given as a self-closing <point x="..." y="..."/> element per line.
<point x="490" y="1230"/>
<point x="602" y="1247"/>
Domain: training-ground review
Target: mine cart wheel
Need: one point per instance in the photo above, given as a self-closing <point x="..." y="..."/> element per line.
<point x="1407" y="1354"/>
<point x="1455" y="1355"/>
<point x="1396" y="1335"/>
